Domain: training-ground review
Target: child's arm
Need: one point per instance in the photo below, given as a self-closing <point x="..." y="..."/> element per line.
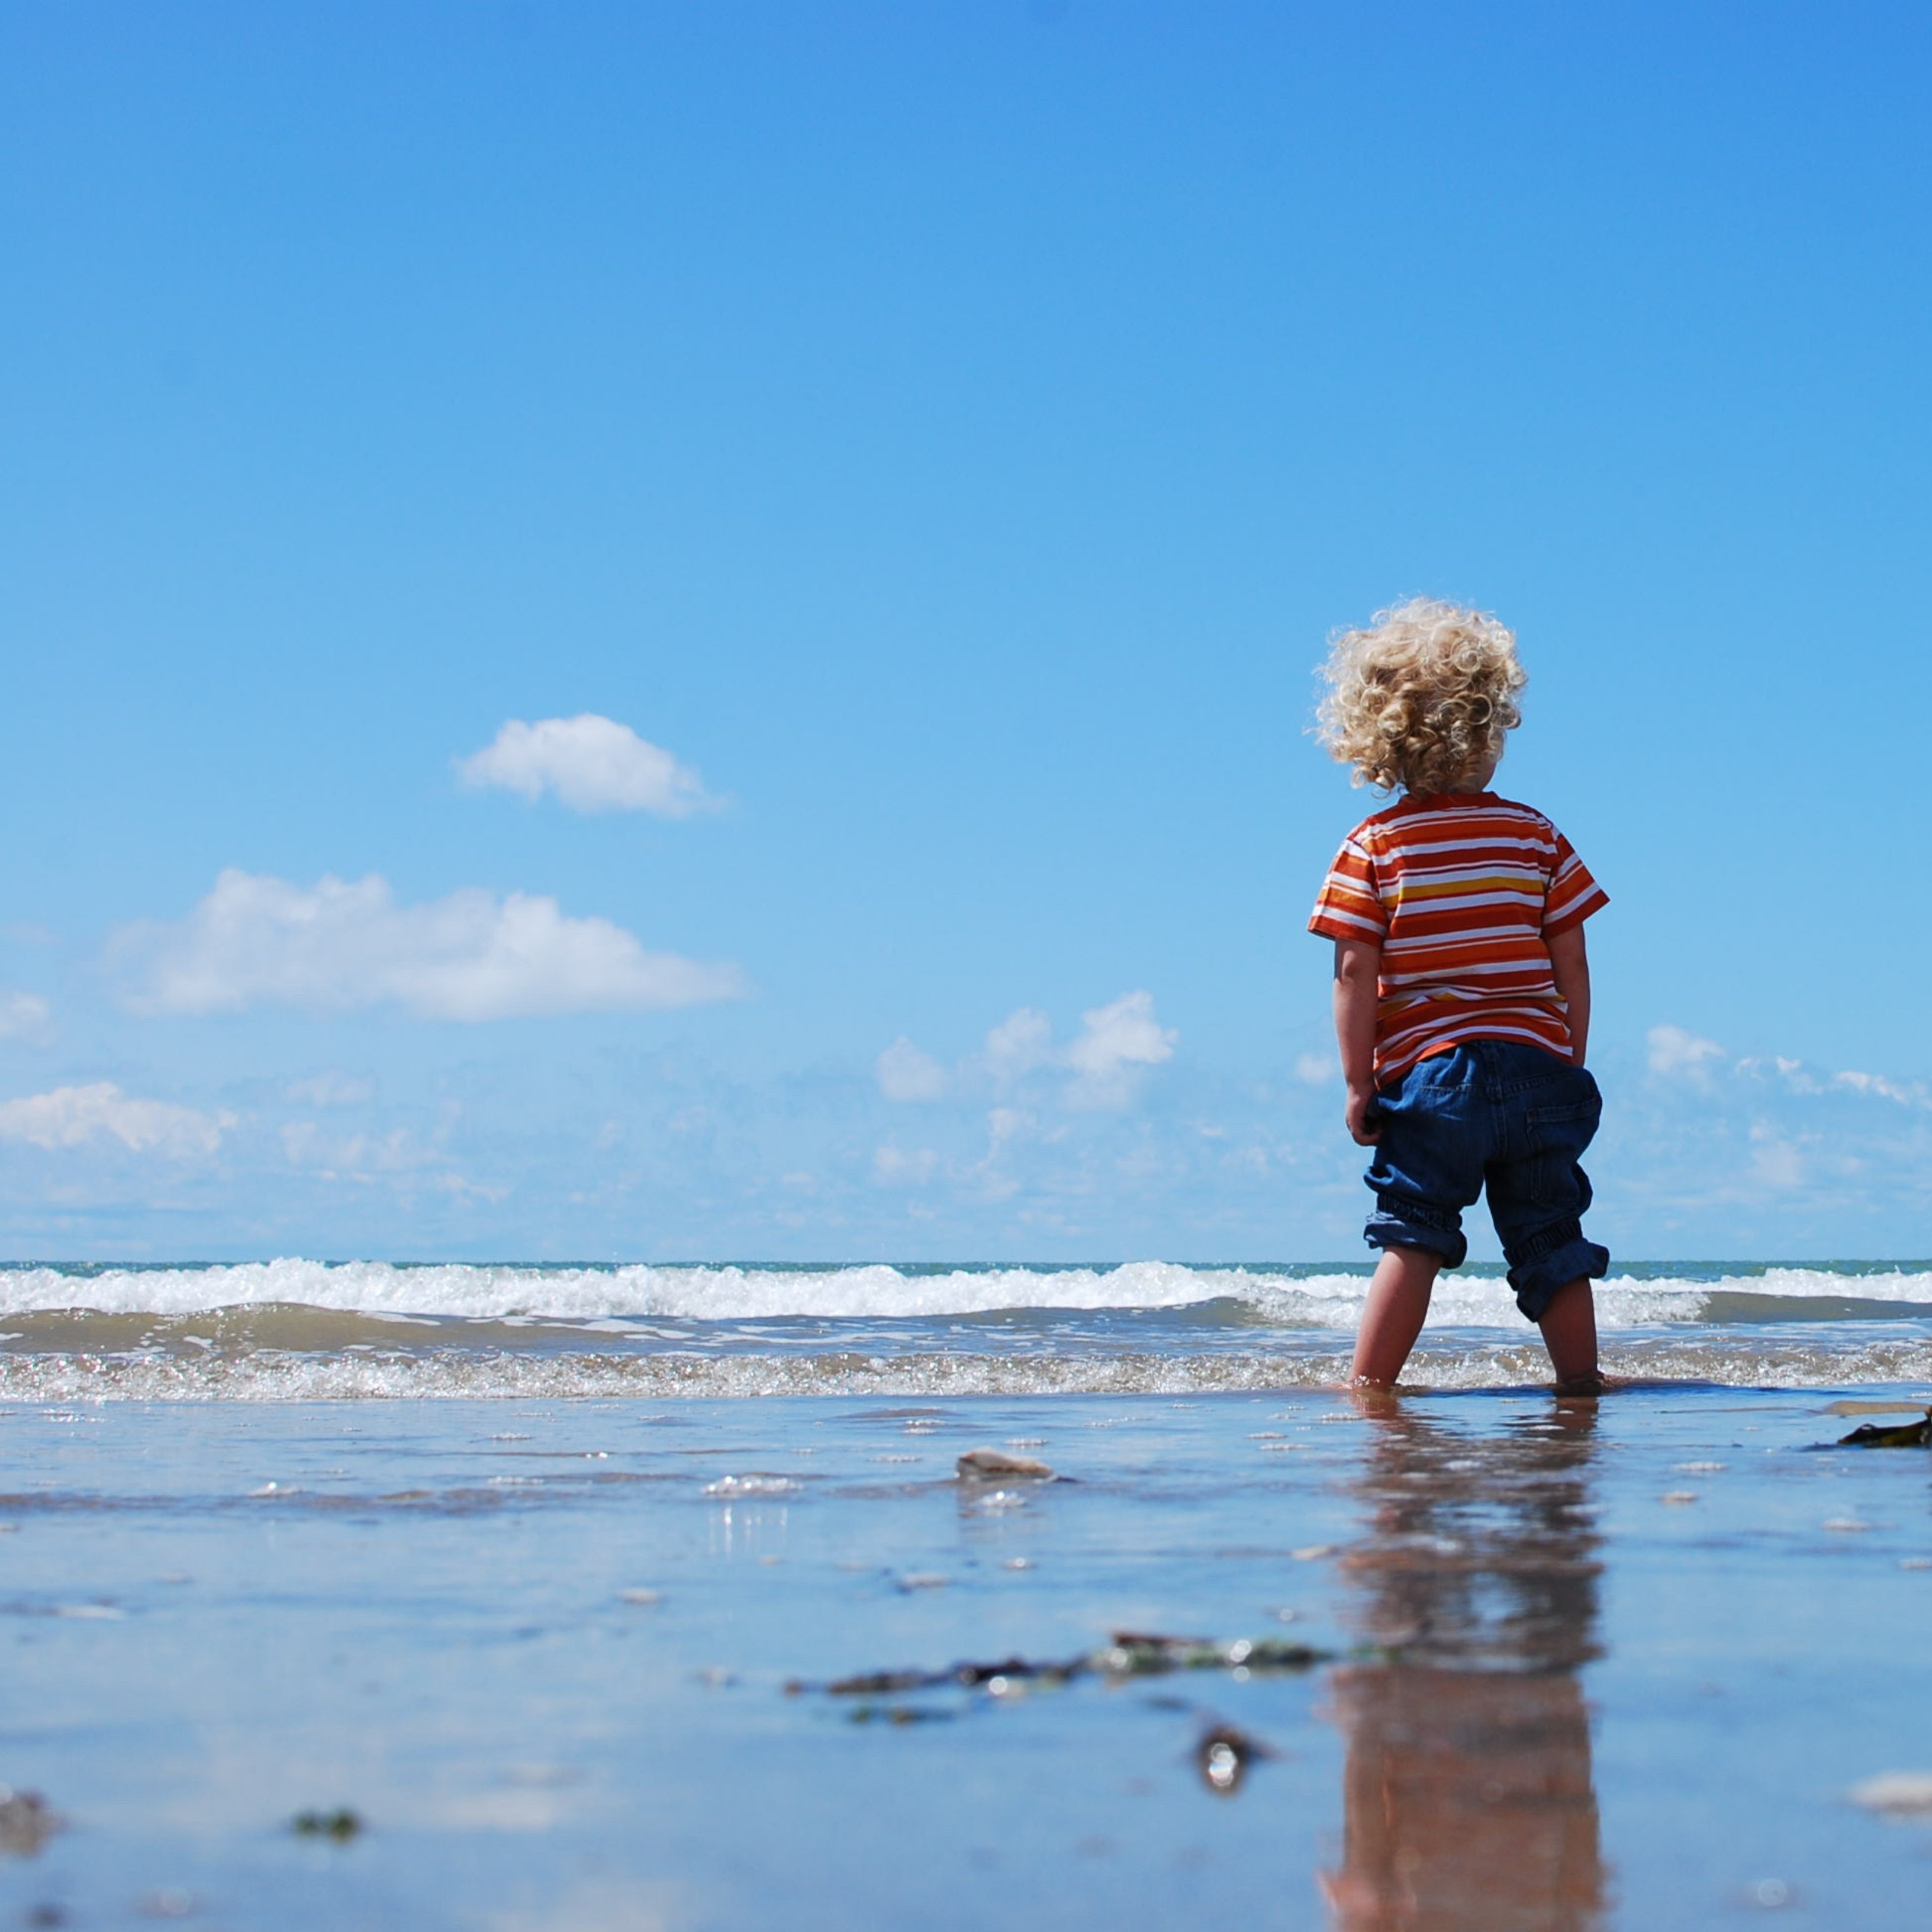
<point x="1358" y="965"/>
<point x="1570" y="967"/>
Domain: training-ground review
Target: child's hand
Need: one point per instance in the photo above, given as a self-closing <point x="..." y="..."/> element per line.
<point x="1364" y="1117"/>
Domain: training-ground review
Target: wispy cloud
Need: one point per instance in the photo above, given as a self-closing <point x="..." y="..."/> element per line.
<point x="1022" y="1042"/>
<point x="1116" y="1043"/>
<point x="337" y="946"/>
<point x="1906" y="1093"/>
<point x="904" y="1167"/>
<point x="331" y="1090"/>
<point x="1673" y="1050"/>
<point x="592" y="764"/>
<point x="74" y="1116"/>
<point x="904" y="1073"/>
<point x="23" y="1015"/>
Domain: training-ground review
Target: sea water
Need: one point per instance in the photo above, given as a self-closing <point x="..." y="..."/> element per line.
<point x="649" y="1619"/>
<point x="291" y="1330"/>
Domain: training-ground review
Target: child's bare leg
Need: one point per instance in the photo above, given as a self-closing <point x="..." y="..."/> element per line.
<point x="1569" y="1326"/>
<point x="1398" y="1301"/>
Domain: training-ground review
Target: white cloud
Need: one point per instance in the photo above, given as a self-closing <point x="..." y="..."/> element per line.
<point x="1115" y="1042"/>
<point x="904" y="1073"/>
<point x="904" y="1167"/>
<point x="592" y="764"/>
<point x="396" y="1152"/>
<point x="1022" y="1042"/>
<point x="470" y="956"/>
<point x="22" y="1014"/>
<point x="72" y="1117"/>
<point x="330" y="1090"/>
<point x="1877" y="1084"/>
<point x="1775" y="1163"/>
<point x="1674" y="1051"/>
<point x="1316" y="1069"/>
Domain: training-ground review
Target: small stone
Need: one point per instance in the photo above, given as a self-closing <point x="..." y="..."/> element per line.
<point x="981" y="1465"/>
<point x="1224" y="1755"/>
<point x="27" y="1821"/>
<point x="1898" y="1794"/>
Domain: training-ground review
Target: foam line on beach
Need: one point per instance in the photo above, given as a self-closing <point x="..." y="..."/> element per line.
<point x="274" y="1376"/>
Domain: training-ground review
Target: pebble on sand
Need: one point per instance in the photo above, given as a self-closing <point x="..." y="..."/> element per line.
<point x="1898" y="1794"/>
<point x="1223" y="1756"/>
<point x="989" y="1465"/>
<point x="27" y="1821"/>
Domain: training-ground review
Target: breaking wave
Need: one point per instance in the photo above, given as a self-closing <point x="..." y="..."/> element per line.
<point x="1297" y="1295"/>
<point x="302" y="1330"/>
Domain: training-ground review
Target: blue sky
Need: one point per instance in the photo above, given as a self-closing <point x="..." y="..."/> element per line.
<point x="949" y="433"/>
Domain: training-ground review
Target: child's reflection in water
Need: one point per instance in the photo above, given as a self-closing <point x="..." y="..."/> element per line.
<point x="1468" y="1794"/>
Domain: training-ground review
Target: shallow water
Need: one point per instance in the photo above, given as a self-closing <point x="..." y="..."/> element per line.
<point x="1593" y="1663"/>
<point x="562" y="1637"/>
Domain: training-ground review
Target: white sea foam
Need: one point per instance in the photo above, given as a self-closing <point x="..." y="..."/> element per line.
<point x="875" y="1292"/>
<point x="271" y="1376"/>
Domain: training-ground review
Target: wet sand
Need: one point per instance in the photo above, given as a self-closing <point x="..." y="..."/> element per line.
<point x="1615" y="1663"/>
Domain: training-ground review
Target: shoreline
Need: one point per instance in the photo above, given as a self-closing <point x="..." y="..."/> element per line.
<point x="541" y="1650"/>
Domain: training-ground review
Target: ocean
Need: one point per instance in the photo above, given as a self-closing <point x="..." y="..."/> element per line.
<point x="295" y="1331"/>
<point x="656" y="1599"/>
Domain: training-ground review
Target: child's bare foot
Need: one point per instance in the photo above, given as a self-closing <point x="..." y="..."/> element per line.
<point x="1589" y="1384"/>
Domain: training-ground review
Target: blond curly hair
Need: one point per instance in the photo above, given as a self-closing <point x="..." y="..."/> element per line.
<point x="1422" y="697"/>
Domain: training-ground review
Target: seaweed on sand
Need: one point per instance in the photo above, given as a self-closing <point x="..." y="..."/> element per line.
<point x="1128" y="1653"/>
<point x="1890" y="1435"/>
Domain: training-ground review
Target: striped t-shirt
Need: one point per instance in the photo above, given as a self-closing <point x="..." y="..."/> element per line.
<point x="1460" y="890"/>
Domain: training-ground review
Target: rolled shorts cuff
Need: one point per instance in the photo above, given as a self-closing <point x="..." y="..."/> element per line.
<point x="1401" y="1221"/>
<point x="1537" y="1281"/>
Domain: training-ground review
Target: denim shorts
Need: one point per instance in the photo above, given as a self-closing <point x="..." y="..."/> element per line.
<point x="1497" y="1114"/>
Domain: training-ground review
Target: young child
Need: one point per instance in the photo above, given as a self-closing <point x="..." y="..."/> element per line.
<point x="1462" y="988"/>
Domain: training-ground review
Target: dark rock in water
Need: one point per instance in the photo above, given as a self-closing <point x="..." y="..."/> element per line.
<point x="341" y="1825"/>
<point x="27" y="1821"/>
<point x="995" y="1466"/>
<point x="1224" y="1755"/>
<point x="1885" y="1436"/>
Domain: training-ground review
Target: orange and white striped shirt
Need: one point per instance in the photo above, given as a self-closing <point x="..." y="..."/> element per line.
<point x="1460" y="890"/>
